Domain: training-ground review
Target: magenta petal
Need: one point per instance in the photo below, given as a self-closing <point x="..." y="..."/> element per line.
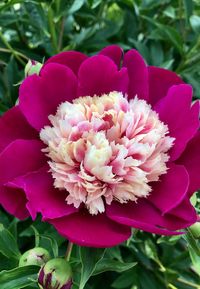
<point x="43" y="197"/>
<point x="114" y="52"/>
<point x="92" y="231"/>
<point x="71" y="59"/>
<point x="141" y="215"/>
<point x="172" y="188"/>
<point x="191" y="160"/>
<point x="160" y="80"/>
<point x="19" y="158"/>
<point x="14" y="201"/>
<point x="138" y="75"/>
<point x="13" y="125"/>
<point x="182" y="216"/>
<point x="99" y="75"/>
<point x="183" y="121"/>
<point x="40" y="95"/>
<point x="15" y="198"/>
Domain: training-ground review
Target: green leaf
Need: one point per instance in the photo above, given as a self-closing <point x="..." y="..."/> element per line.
<point x="189" y="5"/>
<point x="125" y="280"/>
<point x="77" y="4"/>
<point x="167" y="64"/>
<point x="168" y="32"/>
<point x="192" y="243"/>
<point x="170" y="12"/>
<point x="89" y="259"/>
<point x="195" y="260"/>
<point x="149" y="281"/>
<point x="170" y="240"/>
<point x="151" y="252"/>
<point x="13" y="227"/>
<point x="18" y="277"/>
<point x="4" y="219"/>
<point x="112" y="265"/>
<point x="195" y="23"/>
<point x="114" y="253"/>
<point x="50" y="244"/>
<point x="8" y="244"/>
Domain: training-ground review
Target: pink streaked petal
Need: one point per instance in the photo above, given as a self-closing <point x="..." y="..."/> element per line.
<point x="20" y="157"/>
<point x="71" y="59"/>
<point x="142" y="215"/>
<point x="43" y="197"/>
<point x="99" y="74"/>
<point x="191" y="160"/>
<point x="39" y="96"/>
<point x="13" y="125"/>
<point x="160" y="80"/>
<point x="114" y="52"/>
<point x="91" y="231"/>
<point x="183" y="120"/>
<point x="172" y="188"/>
<point x="138" y="75"/>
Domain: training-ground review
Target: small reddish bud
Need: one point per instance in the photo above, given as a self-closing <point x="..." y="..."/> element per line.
<point x="55" y="274"/>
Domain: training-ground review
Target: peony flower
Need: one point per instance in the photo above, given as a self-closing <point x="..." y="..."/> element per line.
<point x="99" y="145"/>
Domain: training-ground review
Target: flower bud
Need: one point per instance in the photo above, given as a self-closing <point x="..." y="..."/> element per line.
<point x="36" y="256"/>
<point x="195" y="230"/>
<point x="32" y="67"/>
<point x="55" y="274"/>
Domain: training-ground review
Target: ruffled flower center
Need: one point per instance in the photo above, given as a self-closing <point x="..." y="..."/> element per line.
<point x="106" y="148"/>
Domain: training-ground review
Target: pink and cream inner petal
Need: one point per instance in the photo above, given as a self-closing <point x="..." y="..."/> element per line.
<point x="106" y="148"/>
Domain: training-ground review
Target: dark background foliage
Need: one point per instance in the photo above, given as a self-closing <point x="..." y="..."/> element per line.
<point x="167" y="34"/>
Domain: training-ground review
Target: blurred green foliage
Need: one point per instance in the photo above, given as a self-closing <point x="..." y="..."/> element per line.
<point x="167" y="34"/>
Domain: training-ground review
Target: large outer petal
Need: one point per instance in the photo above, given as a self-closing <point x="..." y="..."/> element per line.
<point x="99" y="74"/>
<point x="171" y="189"/>
<point x="183" y="120"/>
<point x="160" y="80"/>
<point x="39" y="96"/>
<point x="92" y="231"/>
<point x="71" y="59"/>
<point x="114" y="52"/>
<point x="14" y="201"/>
<point x="184" y="215"/>
<point x="142" y="215"/>
<point x="138" y="75"/>
<point x="191" y="160"/>
<point x="13" y="125"/>
<point x="43" y="197"/>
<point x="17" y="159"/>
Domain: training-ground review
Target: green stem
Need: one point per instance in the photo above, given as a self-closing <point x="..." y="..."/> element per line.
<point x="188" y="283"/>
<point x="69" y="251"/>
<point x="17" y="52"/>
<point x="7" y="44"/>
<point x="60" y="40"/>
<point x="171" y="286"/>
<point x="52" y="30"/>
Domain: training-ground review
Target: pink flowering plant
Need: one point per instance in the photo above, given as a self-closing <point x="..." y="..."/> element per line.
<point x="100" y="160"/>
<point x="99" y="145"/>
